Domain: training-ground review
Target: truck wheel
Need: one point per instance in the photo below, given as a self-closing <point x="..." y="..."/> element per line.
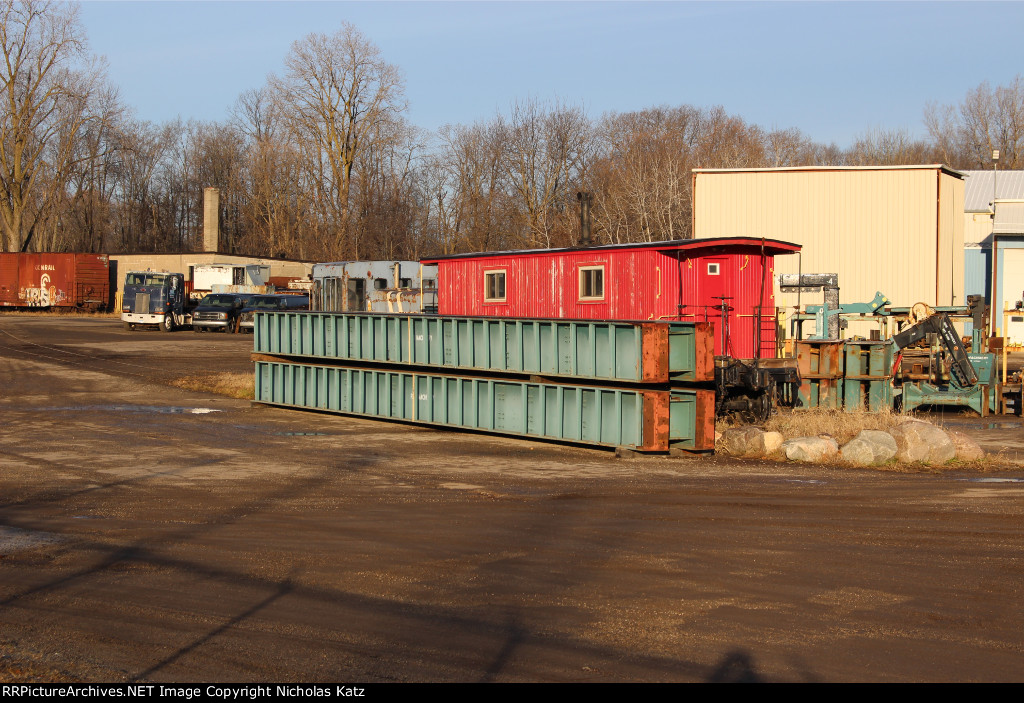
<point x="128" y="326"/>
<point x="168" y="323"/>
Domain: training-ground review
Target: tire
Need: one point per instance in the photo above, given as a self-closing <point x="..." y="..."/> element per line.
<point x="128" y="327"/>
<point x="197" y="330"/>
<point x="168" y="323"/>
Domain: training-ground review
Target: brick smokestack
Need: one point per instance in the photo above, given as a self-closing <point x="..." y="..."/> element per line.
<point x="211" y="220"/>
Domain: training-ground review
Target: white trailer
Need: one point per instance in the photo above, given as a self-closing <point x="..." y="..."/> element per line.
<point x="230" y="278"/>
<point x="374" y="286"/>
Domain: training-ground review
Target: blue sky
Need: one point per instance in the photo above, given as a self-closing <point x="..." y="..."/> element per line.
<point x="833" y="70"/>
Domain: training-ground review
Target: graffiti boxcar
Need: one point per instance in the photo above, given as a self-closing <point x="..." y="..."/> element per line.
<point x="54" y="280"/>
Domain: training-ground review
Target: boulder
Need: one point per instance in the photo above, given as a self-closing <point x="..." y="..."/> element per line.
<point x="869" y="448"/>
<point x="921" y="442"/>
<point x="741" y="441"/>
<point x="811" y="449"/>
<point x="966" y="448"/>
<point x="771" y="442"/>
<point x="749" y="441"/>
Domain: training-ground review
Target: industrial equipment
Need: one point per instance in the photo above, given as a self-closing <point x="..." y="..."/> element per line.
<point x="953" y="376"/>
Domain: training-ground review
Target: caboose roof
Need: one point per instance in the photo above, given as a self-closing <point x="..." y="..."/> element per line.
<point x="697" y="247"/>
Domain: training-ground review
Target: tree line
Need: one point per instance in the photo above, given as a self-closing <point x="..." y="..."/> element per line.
<point x="322" y="163"/>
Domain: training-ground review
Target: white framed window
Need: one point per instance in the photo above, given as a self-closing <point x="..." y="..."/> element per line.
<point x="494" y="286"/>
<point x="714" y="269"/>
<point x="591" y="282"/>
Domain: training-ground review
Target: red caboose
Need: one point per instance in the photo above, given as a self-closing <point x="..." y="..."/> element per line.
<point x="686" y="280"/>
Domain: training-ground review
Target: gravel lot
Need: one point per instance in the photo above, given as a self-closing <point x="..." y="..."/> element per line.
<point x="153" y="534"/>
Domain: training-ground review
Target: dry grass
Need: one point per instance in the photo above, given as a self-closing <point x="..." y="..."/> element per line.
<point x="234" y="385"/>
<point x="841" y="425"/>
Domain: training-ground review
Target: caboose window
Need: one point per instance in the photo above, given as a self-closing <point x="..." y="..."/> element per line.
<point x="592" y="283"/>
<point x="713" y="269"/>
<point x="494" y="286"/>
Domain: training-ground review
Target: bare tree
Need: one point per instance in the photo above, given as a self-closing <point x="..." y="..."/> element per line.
<point x="271" y="179"/>
<point x="788" y="147"/>
<point x="545" y="149"/>
<point x="337" y="95"/>
<point x="468" y="186"/>
<point x="80" y="215"/>
<point x="889" y="147"/>
<point x="48" y="92"/>
<point x="988" y="119"/>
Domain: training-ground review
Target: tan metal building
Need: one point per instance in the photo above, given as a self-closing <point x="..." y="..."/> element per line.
<point x="894" y="229"/>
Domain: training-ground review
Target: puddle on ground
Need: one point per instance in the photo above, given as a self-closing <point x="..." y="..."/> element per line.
<point x="301" y="434"/>
<point x="14" y="539"/>
<point x="157" y="409"/>
<point x="86" y="517"/>
<point x="802" y="480"/>
<point x="993" y="480"/>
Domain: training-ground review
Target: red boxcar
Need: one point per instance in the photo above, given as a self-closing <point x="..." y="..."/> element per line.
<point x="54" y="280"/>
<point x="677" y="280"/>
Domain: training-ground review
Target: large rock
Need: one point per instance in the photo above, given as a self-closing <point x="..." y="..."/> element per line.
<point x="771" y="442"/>
<point x="749" y="441"/>
<point x="740" y="441"/>
<point x="810" y="449"/>
<point x="910" y="418"/>
<point x="869" y="448"/>
<point x="966" y="448"/>
<point x="921" y="442"/>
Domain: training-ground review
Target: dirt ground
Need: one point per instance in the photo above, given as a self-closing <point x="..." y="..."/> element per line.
<point x="153" y="534"/>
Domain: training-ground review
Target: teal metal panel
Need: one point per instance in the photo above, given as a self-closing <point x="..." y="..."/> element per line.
<point x="607" y="351"/>
<point x="686" y="410"/>
<point x="918" y="393"/>
<point x="821" y="373"/>
<point x="600" y="416"/>
<point x="867" y="384"/>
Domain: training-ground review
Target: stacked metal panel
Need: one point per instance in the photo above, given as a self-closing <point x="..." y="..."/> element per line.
<point x="852" y="375"/>
<point x="821" y="373"/>
<point x="524" y="377"/>
<point x="867" y="378"/>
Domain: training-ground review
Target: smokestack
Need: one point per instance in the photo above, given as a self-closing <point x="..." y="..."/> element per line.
<point x="211" y="220"/>
<point x="585" y="199"/>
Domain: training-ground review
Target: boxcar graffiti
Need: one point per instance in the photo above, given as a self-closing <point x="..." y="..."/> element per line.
<point x="54" y="280"/>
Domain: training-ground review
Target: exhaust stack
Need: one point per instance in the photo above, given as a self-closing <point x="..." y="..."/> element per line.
<point x="585" y="200"/>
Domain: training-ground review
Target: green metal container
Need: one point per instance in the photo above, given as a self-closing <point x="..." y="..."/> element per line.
<point x="624" y="352"/>
<point x="867" y="383"/>
<point x="820" y="363"/>
<point x="645" y="420"/>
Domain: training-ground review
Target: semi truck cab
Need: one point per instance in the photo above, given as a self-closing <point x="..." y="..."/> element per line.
<point x="154" y="298"/>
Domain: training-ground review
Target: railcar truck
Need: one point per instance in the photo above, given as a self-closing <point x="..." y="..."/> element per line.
<point x="155" y="298"/>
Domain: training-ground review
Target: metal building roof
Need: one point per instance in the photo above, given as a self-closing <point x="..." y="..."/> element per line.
<point x="774" y="169"/>
<point x="772" y="247"/>
<point x="978" y="188"/>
